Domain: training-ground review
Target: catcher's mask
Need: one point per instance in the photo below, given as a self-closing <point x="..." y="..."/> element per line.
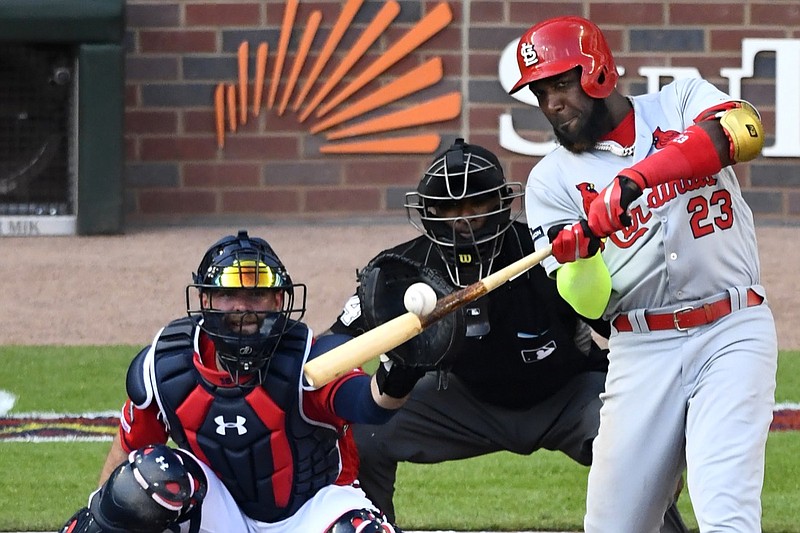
<point x="247" y="271"/>
<point x="560" y="44"/>
<point x="464" y="205"/>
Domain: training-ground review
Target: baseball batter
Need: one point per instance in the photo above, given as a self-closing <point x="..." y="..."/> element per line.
<point x="647" y="182"/>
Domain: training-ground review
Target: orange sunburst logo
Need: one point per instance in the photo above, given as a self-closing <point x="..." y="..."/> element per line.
<point x="231" y="101"/>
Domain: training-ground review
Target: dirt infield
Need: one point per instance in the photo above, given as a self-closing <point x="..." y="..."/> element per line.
<point x="122" y="289"/>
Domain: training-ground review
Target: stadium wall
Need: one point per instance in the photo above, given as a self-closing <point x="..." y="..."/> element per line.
<point x="276" y="167"/>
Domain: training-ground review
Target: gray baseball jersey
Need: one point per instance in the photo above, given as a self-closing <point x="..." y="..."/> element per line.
<point x="698" y="398"/>
<point x="690" y="239"/>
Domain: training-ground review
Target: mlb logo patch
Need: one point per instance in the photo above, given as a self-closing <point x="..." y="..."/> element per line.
<point x="537" y="354"/>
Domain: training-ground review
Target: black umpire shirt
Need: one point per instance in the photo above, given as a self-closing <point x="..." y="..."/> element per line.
<point x="529" y="352"/>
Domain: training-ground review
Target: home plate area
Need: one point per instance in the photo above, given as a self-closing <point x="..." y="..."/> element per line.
<point x="102" y="426"/>
<point x="53" y="427"/>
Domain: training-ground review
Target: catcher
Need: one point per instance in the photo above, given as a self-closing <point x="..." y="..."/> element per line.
<point x="258" y="450"/>
<point x="515" y="370"/>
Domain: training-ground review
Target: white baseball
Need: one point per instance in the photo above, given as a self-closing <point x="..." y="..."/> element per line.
<point x="420" y="299"/>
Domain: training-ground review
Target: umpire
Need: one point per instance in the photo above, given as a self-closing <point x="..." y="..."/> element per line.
<point x="515" y="370"/>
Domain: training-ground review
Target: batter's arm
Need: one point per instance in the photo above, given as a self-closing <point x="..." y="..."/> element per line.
<point x="721" y="136"/>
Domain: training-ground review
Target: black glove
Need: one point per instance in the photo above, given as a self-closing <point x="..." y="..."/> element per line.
<point x="396" y="380"/>
<point x="382" y="285"/>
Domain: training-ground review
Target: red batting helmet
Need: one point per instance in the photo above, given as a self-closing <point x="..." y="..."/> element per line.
<point x="557" y="45"/>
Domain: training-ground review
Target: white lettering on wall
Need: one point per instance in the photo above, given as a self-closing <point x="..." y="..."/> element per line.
<point x="787" y="90"/>
<point x="20" y="228"/>
<point x="509" y="138"/>
<point x="654" y="75"/>
<point x="787" y="97"/>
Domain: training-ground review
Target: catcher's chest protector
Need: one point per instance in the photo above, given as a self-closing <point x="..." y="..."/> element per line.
<point x="270" y="458"/>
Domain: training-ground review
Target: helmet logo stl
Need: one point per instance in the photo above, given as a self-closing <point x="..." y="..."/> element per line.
<point x="528" y="53"/>
<point x="223" y="426"/>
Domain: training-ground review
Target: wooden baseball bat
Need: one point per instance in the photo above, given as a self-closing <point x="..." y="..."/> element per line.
<point x="357" y="351"/>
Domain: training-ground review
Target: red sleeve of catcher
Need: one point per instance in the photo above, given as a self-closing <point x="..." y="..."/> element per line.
<point x="140" y="427"/>
<point x="350" y="461"/>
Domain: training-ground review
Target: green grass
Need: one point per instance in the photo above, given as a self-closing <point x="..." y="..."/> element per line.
<point x="43" y="484"/>
<point x="66" y="379"/>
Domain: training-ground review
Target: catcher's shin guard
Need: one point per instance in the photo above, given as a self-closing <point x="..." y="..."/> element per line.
<point x="362" y="521"/>
<point x="155" y="488"/>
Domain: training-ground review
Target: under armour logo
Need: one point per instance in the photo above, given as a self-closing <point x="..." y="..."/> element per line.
<point x="245" y="350"/>
<point x="162" y="463"/>
<point x="223" y="426"/>
<point x="528" y="53"/>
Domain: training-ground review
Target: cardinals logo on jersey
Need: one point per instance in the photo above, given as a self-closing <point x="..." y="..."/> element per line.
<point x="588" y="193"/>
<point x="661" y="138"/>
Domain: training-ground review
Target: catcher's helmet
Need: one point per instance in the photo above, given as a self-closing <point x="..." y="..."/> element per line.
<point x="243" y="263"/>
<point x="557" y="45"/>
<point x="468" y="241"/>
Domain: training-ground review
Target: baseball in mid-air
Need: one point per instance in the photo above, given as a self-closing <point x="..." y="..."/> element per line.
<point x="420" y="299"/>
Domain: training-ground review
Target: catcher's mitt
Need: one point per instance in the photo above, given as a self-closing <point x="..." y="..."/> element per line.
<point x="382" y="285"/>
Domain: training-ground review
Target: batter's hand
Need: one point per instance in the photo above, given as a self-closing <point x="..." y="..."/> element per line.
<point x="573" y="242"/>
<point x="608" y="212"/>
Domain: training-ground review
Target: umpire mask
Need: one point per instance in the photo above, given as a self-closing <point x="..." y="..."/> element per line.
<point x="464" y="205"/>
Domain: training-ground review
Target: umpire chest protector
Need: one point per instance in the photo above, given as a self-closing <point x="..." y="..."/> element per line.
<point x="270" y="457"/>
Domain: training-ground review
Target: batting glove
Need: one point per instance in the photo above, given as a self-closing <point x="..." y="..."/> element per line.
<point x="608" y="212"/>
<point x="573" y="242"/>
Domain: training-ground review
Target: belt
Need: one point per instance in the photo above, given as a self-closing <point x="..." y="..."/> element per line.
<point x="687" y="317"/>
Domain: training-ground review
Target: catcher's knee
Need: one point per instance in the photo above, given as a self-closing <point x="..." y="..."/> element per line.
<point x="155" y="488"/>
<point x="362" y="521"/>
